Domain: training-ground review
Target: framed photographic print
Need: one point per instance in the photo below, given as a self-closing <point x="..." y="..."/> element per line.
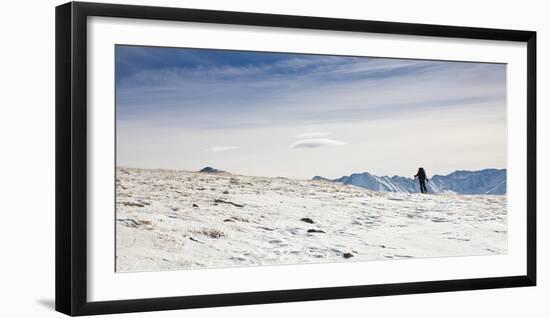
<point x="210" y="158"/>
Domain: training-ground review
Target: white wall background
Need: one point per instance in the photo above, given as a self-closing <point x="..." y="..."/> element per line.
<point x="27" y="158"/>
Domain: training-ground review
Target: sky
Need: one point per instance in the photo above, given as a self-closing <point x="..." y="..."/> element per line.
<point x="302" y="115"/>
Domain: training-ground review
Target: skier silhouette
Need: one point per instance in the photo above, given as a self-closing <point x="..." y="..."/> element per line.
<point x="421" y="175"/>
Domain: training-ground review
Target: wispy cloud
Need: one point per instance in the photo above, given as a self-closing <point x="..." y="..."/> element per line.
<point x="224" y="99"/>
<point x="221" y="148"/>
<point x="302" y="88"/>
<point x="316" y="143"/>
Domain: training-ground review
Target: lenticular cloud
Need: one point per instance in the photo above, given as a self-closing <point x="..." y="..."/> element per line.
<point x="316" y="143"/>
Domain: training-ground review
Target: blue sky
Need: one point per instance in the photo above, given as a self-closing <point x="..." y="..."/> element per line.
<point x="300" y="115"/>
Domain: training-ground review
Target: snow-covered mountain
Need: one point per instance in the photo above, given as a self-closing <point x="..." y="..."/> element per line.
<point x="170" y="219"/>
<point x="486" y="181"/>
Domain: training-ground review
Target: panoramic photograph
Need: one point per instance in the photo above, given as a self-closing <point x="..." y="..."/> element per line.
<point x="230" y="158"/>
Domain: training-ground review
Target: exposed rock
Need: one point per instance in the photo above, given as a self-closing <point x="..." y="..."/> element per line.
<point x="307" y="220"/>
<point x="236" y="218"/>
<point x="347" y="255"/>
<point x="266" y="228"/>
<point x="315" y="231"/>
<point x="133" y="204"/>
<point x="229" y="202"/>
<point x="195" y="240"/>
<point x="212" y="233"/>
<point x="134" y="223"/>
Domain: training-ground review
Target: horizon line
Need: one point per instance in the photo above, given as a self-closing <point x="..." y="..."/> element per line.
<point x="320" y="176"/>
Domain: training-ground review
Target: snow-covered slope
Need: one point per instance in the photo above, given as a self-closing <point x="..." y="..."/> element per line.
<point x="178" y="220"/>
<point x="487" y="181"/>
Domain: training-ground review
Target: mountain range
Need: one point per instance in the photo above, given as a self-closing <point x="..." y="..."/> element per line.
<point x="486" y="181"/>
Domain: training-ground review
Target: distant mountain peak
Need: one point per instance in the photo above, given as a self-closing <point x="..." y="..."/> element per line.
<point x="210" y="170"/>
<point x="319" y="178"/>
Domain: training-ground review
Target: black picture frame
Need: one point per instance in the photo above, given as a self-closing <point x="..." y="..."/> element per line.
<point x="71" y="157"/>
